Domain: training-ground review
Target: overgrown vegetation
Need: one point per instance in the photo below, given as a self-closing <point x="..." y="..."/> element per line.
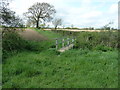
<point x="12" y="43"/>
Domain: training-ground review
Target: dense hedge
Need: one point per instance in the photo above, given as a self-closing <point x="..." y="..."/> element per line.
<point x="92" y="40"/>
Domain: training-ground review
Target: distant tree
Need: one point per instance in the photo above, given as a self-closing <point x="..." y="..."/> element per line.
<point x="107" y="26"/>
<point x="91" y="28"/>
<point x="72" y="26"/>
<point x="42" y="25"/>
<point x="40" y="11"/>
<point x="8" y="17"/>
<point x="48" y="26"/>
<point x="30" y="23"/>
<point x="57" y="22"/>
<point x="63" y="26"/>
<point x="68" y="27"/>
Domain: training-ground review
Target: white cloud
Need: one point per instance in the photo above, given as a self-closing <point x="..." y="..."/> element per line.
<point x="113" y="8"/>
<point x="92" y="14"/>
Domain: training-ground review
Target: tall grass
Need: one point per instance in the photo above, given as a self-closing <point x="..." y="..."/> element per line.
<point x="71" y="69"/>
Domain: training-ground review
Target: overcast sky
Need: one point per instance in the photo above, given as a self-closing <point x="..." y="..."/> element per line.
<point x="80" y="13"/>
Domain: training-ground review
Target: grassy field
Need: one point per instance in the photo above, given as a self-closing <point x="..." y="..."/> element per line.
<point x="47" y="68"/>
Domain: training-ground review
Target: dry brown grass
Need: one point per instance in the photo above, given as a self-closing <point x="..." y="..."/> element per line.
<point x="29" y="34"/>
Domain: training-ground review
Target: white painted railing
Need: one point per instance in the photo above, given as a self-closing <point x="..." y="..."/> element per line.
<point x="64" y="42"/>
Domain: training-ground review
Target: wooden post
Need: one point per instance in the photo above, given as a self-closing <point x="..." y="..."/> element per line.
<point x="56" y="43"/>
<point x="68" y="42"/>
<point x="72" y="42"/>
<point x="63" y="42"/>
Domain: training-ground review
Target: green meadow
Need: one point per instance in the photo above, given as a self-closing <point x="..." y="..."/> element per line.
<point x="42" y="66"/>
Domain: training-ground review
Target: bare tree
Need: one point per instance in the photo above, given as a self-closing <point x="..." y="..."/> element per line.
<point x="56" y="22"/>
<point x="107" y="26"/>
<point x="40" y="12"/>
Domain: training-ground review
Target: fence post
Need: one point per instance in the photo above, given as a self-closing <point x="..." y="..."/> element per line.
<point x="63" y="42"/>
<point x="72" y="42"/>
<point x="56" y="43"/>
<point x="68" y="42"/>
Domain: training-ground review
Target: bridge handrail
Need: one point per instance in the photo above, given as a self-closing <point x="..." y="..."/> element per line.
<point x="65" y="41"/>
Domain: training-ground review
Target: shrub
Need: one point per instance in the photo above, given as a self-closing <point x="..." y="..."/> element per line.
<point x="92" y="39"/>
<point x="12" y="41"/>
<point x="103" y="48"/>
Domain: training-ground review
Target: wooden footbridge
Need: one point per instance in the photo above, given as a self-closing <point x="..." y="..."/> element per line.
<point x="66" y="43"/>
